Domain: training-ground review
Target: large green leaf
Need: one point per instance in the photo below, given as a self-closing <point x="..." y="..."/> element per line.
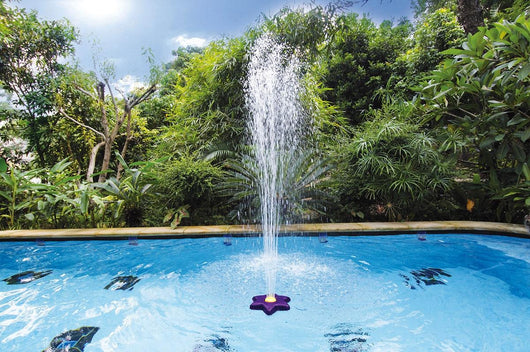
<point x="525" y="71"/>
<point x="517" y="120"/>
<point x="523" y="135"/>
<point x="3" y="165"/>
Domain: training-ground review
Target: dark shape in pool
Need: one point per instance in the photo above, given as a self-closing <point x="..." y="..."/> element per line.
<point x="215" y="343"/>
<point x="407" y="282"/>
<point x="72" y="340"/>
<point x="227" y="240"/>
<point x="123" y="283"/>
<point x="26" y="277"/>
<point x="425" y="276"/>
<point x="269" y="308"/>
<point x="346" y="339"/>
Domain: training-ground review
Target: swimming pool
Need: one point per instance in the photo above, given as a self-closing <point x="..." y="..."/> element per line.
<point x="353" y="293"/>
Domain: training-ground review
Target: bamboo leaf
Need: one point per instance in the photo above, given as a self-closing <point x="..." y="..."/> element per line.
<point x="145" y="188"/>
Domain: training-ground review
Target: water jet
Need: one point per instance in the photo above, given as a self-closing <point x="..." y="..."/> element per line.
<point x="277" y="125"/>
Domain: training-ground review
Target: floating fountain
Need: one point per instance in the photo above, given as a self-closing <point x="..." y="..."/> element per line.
<point x="277" y="125"/>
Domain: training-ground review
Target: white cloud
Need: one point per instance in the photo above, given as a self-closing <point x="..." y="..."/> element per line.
<point x="184" y="41"/>
<point x="128" y="84"/>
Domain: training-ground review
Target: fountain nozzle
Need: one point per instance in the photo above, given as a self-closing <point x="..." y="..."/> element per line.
<point x="270" y="299"/>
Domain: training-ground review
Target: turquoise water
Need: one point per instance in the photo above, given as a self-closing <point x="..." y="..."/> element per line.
<point x="381" y="293"/>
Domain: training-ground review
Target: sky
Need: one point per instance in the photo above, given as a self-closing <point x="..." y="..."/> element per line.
<point x="121" y="30"/>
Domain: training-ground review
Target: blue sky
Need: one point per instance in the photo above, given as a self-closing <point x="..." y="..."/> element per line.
<point x="123" y="28"/>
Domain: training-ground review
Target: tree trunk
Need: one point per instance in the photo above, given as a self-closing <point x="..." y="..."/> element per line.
<point x="92" y="161"/>
<point x="128" y="137"/>
<point x="470" y="15"/>
<point x="106" y="159"/>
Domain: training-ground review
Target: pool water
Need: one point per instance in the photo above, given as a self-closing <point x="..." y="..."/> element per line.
<point x="368" y="293"/>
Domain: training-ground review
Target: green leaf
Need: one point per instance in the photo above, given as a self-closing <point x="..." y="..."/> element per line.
<point x="111" y="186"/>
<point x="169" y="216"/>
<point x="5" y="195"/>
<point x="518" y="152"/>
<point x="494" y="180"/>
<point x="183" y="211"/>
<point x="84" y="202"/>
<point x="60" y="166"/>
<point x="176" y="221"/>
<point x="516" y="120"/>
<point x="146" y="188"/>
<point x="119" y="208"/>
<point x="525" y="71"/>
<point x="486" y="142"/>
<point x="452" y="52"/>
<point x="502" y="151"/>
<point x="3" y="165"/>
<point x="439" y="95"/>
<point x="30" y="216"/>
<point x="523" y="135"/>
<point x="122" y="161"/>
<point x="526" y="171"/>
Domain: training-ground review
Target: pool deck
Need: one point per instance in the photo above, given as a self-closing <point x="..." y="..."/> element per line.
<point x="359" y="228"/>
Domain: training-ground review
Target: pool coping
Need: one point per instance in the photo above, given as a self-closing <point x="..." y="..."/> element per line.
<point x="358" y="228"/>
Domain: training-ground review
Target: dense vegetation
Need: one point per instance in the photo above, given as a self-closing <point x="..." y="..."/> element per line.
<point x="412" y="121"/>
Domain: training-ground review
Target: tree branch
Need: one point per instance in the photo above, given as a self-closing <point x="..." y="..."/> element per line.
<point x="146" y="94"/>
<point x="80" y="123"/>
<point x="116" y="112"/>
<point x="101" y="102"/>
<point x="86" y="92"/>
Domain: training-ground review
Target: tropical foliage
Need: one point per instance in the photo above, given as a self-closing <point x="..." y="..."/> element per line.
<point x="411" y="120"/>
<point x="484" y="95"/>
<point x="392" y="167"/>
<point x="301" y="200"/>
<point x="30" y="52"/>
<point x="360" y="63"/>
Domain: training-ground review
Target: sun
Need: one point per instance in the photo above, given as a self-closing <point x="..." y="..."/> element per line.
<point x="100" y="11"/>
